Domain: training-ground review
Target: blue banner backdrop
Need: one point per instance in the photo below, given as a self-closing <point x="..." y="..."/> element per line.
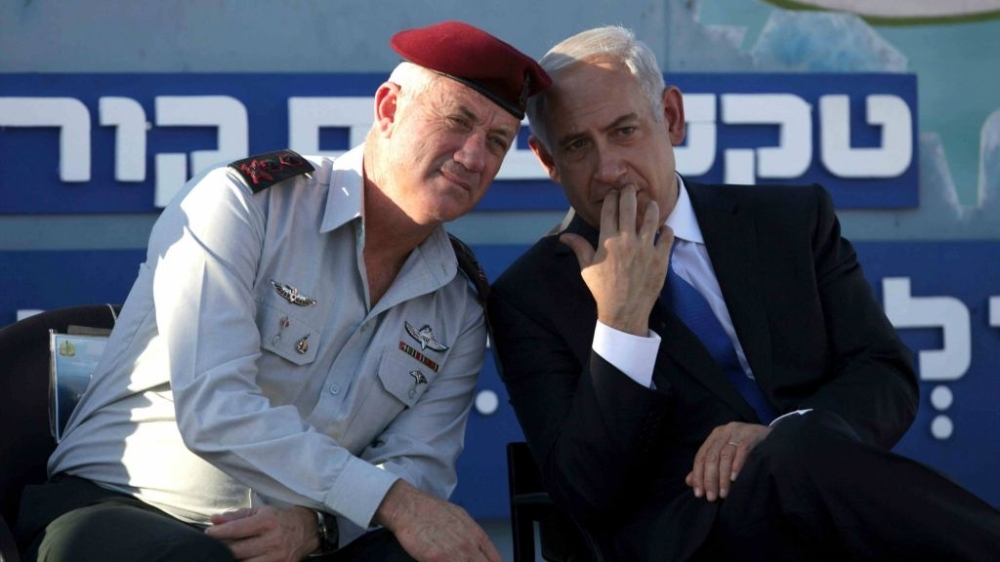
<point x="110" y="143"/>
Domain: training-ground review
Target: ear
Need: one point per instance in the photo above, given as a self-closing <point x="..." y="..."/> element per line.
<point x="673" y="113"/>
<point x="544" y="157"/>
<point x="386" y="106"/>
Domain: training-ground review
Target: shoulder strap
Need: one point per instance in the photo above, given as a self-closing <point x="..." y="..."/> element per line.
<point x="470" y="267"/>
<point x="264" y="170"/>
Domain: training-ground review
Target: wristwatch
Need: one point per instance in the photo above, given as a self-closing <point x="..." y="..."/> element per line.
<point x="328" y="532"/>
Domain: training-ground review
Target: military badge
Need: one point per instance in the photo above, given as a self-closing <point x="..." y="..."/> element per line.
<point x="418" y="378"/>
<point x="426" y="337"/>
<point x="291" y="294"/>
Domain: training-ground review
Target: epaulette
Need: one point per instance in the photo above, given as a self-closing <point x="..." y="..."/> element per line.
<point x="470" y="267"/>
<point x="264" y="170"/>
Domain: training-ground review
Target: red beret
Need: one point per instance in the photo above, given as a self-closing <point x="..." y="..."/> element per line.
<point x="477" y="59"/>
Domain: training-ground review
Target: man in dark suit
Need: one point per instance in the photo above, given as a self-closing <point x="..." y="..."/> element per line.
<point x="663" y="443"/>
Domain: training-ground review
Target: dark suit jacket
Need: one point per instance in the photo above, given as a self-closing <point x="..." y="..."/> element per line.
<point x="614" y="452"/>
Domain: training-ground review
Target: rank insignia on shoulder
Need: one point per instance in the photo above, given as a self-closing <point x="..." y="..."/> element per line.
<point x="264" y="170"/>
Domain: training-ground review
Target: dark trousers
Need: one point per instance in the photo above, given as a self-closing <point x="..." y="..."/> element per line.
<point x="813" y="491"/>
<point x="72" y="519"/>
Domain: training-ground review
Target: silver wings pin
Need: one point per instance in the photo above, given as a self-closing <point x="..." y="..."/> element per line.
<point x="425" y="337"/>
<point x="291" y="294"/>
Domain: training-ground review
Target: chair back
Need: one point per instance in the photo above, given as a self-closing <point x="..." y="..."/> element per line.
<point x="560" y="538"/>
<point x="24" y="395"/>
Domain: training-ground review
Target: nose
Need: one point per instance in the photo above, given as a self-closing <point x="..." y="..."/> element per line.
<point x="610" y="165"/>
<point x="472" y="153"/>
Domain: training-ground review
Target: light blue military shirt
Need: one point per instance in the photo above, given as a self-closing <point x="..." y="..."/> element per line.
<point x="247" y="366"/>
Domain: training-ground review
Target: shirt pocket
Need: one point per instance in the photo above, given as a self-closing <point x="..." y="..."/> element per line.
<point x="284" y="333"/>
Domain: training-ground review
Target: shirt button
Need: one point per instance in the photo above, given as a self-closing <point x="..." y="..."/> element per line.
<point x="413" y="393"/>
<point x="335" y="389"/>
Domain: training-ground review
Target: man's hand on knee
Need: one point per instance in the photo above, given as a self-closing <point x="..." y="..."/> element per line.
<point x="432" y="530"/>
<point x="722" y="456"/>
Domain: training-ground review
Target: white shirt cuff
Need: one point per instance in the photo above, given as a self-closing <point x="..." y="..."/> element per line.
<point x="793" y="413"/>
<point x="630" y="354"/>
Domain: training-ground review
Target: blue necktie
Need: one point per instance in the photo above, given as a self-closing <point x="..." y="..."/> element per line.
<point x="692" y="308"/>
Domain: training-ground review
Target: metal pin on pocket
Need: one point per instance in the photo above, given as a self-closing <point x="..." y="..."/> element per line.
<point x="303" y="346"/>
<point x="282" y="324"/>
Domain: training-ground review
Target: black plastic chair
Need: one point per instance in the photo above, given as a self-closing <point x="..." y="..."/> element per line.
<point x="24" y="416"/>
<point x="560" y="537"/>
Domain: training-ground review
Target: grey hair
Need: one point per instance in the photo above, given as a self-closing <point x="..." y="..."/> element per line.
<point x="611" y="41"/>
<point x="413" y="79"/>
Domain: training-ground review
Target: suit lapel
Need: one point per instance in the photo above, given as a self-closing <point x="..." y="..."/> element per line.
<point x="730" y="238"/>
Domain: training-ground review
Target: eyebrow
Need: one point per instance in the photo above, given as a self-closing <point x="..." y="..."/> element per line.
<point x="563" y="141"/>
<point x="621" y="121"/>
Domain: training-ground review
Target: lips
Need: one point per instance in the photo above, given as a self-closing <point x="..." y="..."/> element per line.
<point x="617" y="189"/>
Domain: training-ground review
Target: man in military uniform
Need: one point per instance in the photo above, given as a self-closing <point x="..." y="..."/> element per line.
<point x="299" y="352"/>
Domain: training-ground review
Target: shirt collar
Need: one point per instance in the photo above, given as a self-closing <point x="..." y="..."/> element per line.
<point x="345" y="197"/>
<point x="682" y="219"/>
